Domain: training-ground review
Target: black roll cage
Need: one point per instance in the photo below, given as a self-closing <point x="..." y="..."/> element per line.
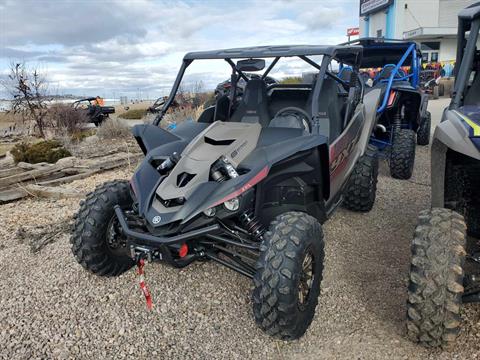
<point x="466" y="50"/>
<point x="327" y="56"/>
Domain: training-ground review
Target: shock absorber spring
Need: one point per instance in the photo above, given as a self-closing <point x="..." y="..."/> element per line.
<point x="397" y="122"/>
<point x="252" y="225"/>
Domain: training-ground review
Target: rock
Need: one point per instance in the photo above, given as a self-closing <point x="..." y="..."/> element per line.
<point x="91" y="139"/>
<point x="67" y="162"/>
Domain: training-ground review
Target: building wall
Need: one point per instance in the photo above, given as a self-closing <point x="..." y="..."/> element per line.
<point x="448" y="49"/>
<point x="419" y="13"/>
<point x="378" y="22"/>
<point x="449" y="10"/>
<point x="407" y="15"/>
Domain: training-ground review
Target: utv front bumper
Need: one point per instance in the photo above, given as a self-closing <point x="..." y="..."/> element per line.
<point x="156" y="242"/>
<point x="215" y="238"/>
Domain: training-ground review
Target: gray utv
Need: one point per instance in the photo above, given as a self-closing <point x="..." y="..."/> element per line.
<point x="247" y="185"/>
<point x="445" y="269"/>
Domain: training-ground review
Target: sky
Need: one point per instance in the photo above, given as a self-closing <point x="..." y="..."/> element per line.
<point x="134" y="48"/>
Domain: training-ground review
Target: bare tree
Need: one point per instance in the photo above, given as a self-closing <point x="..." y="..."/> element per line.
<point x="198" y="93"/>
<point x="28" y="89"/>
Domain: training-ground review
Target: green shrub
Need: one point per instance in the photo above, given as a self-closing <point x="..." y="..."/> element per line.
<point x="134" y="114"/>
<point x="44" y="151"/>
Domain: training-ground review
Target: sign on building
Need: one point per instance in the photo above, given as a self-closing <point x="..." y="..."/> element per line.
<point x="370" y="6"/>
<point x="353" y="31"/>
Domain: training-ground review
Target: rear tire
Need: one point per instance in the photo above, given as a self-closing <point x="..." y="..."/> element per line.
<point x="361" y="188"/>
<point x="285" y="294"/>
<point x="402" y="157"/>
<point x="423" y="132"/>
<point x="93" y="226"/>
<point x="436" y="278"/>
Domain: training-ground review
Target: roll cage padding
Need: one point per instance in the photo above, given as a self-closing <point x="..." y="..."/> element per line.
<point x="222" y="106"/>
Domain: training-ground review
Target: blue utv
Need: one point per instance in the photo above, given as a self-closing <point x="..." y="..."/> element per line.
<point x="402" y="117"/>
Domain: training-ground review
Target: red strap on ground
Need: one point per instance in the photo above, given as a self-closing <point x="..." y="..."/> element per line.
<point x="143" y="285"/>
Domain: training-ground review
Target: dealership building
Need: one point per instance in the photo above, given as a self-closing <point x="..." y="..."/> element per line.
<point x="430" y="23"/>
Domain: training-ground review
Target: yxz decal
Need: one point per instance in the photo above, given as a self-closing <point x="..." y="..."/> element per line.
<point x="236" y="151"/>
<point x="342" y="148"/>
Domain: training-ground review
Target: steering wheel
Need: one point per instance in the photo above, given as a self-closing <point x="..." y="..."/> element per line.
<point x="300" y="114"/>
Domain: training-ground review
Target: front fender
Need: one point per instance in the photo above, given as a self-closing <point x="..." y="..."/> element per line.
<point x="450" y="134"/>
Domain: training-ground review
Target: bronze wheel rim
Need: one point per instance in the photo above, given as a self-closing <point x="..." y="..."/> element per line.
<point x="306" y="279"/>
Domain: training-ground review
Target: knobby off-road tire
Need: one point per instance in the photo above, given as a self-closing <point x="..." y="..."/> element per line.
<point x="436" y="278"/>
<point x="402" y="157"/>
<point x="361" y="187"/>
<point x="279" y="307"/>
<point x="92" y="225"/>
<point x="473" y="215"/>
<point x="423" y="132"/>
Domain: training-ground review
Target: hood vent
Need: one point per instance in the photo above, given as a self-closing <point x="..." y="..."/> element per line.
<point x="184" y="178"/>
<point x="224" y="142"/>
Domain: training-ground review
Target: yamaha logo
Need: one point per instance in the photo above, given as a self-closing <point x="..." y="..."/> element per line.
<point x="156" y="220"/>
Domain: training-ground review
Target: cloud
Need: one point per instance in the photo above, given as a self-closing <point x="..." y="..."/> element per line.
<point x="67" y="22"/>
<point x="321" y="17"/>
<point x="130" y="46"/>
<point x="8" y="52"/>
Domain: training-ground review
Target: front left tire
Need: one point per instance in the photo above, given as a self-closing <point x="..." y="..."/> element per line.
<point x="436" y="278"/>
<point x="288" y="276"/>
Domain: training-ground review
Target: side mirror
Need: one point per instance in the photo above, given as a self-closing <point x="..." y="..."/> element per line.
<point x="251" y="65"/>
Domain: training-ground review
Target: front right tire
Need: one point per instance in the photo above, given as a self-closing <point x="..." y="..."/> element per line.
<point x="96" y="240"/>
<point x="361" y="188"/>
<point x="436" y="278"/>
<point x="402" y="157"/>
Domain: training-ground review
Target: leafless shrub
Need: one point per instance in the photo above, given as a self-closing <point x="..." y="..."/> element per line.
<point x="65" y="120"/>
<point x="113" y="129"/>
<point x="28" y="88"/>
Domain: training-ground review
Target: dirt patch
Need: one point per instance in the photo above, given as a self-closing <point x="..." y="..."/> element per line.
<point x="51" y="308"/>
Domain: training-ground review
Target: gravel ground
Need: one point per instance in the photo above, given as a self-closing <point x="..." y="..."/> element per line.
<point x="51" y="308"/>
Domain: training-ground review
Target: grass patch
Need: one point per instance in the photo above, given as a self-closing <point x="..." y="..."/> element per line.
<point x="82" y="135"/>
<point x="133" y="114"/>
<point x="291" y="80"/>
<point x="113" y="129"/>
<point x="4" y="148"/>
<point x="44" y="151"/>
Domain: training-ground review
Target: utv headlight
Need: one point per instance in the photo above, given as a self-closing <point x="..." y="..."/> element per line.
<point x="232" y="204"/>
<point x="210" y="212"/>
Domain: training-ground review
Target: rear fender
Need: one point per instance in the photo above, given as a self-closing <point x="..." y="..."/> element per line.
<point x="414" y="100"/>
